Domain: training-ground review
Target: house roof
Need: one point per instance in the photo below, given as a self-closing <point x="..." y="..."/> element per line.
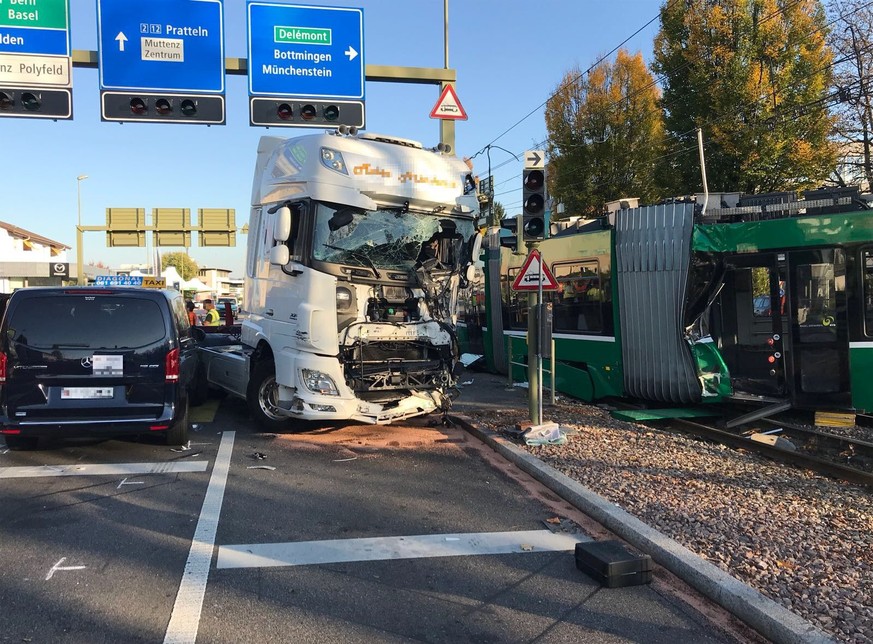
<point x="21" y="233"/>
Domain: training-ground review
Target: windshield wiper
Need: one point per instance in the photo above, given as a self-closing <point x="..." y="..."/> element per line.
<point x="353" y="253"/>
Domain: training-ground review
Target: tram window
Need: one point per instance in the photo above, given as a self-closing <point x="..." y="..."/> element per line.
<point x="581" y="298"/>
<point x="868" y="292"/>
<point x="515" y="303"/>
<point x="817" y="302"/>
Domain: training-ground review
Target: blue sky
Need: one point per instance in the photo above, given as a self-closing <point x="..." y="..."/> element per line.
<point x="509" y="56"/>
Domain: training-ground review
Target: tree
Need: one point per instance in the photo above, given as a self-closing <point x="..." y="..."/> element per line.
<point x="498" y="212"/>
<point x="853" y="47"/>
<point x="754" y="75"/>
<point x="605" y="132"/>
<point x="185" y="266"/>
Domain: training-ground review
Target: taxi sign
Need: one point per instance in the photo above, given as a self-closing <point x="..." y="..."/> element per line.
<point x="529" y="277"/>
<point x="154" y="282"/>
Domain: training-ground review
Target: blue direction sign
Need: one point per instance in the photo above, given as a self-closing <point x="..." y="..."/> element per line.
<point x="40" y="27"/>
<point x="161" y="45"/>
<point x="297" y="50"/>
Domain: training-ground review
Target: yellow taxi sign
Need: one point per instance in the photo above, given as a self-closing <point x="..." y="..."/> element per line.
<point x="154" y="282"/>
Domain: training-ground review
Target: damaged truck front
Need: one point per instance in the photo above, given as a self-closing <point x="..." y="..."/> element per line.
<point x="357" y="247"/>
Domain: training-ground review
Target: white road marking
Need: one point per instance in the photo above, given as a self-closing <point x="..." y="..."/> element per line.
<point x="303" y="553"/>
<point x="58" y="566"/>
<point x="102" y="469"/>
<point x="126" y="482"/>
<point x="185" y="619"/>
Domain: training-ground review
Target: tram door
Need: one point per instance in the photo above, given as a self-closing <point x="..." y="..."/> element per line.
<point x="752" y="317"/>
<point x="820" y="337"/>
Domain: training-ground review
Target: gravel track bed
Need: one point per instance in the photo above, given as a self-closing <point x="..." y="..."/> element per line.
<point x="802" y="540"/>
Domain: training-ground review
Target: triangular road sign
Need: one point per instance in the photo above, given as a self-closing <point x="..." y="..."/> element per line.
<point x="448" y="106"/>
<point x="529" y="277"/>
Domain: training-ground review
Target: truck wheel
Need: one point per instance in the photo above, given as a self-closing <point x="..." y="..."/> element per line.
<point x="18" y="443"/>
<point x="178" y="433"/>
<point x="263" y="397"/>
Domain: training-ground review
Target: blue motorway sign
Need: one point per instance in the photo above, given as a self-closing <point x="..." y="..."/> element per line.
<point x="41" y="27"/>
<point x="161" y="45"/>
<point x="296" y="50"/>
<point x="118" y="280"/>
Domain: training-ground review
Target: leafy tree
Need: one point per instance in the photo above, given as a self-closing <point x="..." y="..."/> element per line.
<point x="185" y="266"/>
<point x="852" y="44"/>
<point x="754" y="75"/>
<point x="498" y="212"/>
<point x="605" y="132"/>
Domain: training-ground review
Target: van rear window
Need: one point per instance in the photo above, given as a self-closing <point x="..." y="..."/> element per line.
<point x="86" y="321"/>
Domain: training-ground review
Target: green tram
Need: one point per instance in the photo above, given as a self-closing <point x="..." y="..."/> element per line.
<point x="765" y="299"/>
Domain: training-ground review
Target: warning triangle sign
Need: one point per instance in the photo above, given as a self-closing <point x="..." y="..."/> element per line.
<point x="448" y="106"/>
<point x="529" y="277"/>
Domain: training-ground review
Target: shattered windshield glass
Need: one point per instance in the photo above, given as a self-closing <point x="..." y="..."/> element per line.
<point x="377" y="239"/>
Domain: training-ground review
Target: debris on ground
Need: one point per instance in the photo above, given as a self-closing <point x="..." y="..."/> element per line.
<point x="260" y="467"/>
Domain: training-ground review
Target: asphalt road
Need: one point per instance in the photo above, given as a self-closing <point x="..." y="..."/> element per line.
<point x="360" y="533"/>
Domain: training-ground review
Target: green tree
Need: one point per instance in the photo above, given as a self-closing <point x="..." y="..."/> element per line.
<point x="498" y="212"/>
<point x="605" y="132"/>
<point x="185" y="266"/>
<point x="754" y="75"/>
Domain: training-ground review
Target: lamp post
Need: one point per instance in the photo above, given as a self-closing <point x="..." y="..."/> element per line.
<point x="80" y="253"/>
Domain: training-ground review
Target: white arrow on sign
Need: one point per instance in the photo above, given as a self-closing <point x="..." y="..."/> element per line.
<point x="351" y="53"/>
<point x="121" y="38"/>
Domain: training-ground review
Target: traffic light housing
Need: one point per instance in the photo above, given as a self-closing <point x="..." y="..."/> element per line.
<point x="301" y="112"/>
<point x="36" y="103"/>
<point x="199" y="109"/>
<point x="533" y="204"/>
<point x="515" y="223"/>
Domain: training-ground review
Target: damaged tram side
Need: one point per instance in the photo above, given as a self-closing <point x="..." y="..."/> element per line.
<point x="357" y="248"/>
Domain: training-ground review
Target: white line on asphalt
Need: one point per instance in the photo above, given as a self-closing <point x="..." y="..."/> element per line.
<point x="383" y="548"/>
<point x="102" y="469"/>
<point x="185" y="619"/>
<point x="126" y="482"/>
<point x="58" y="566"/>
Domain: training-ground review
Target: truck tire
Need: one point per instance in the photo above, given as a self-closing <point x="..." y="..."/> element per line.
<point x="178" y="433"/>
<point x="19" y="443"/>
<point x="261" y="397"/>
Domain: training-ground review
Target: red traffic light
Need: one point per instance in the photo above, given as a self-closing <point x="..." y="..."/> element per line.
<point x="163" y="106"/>
<point x="284" y="112"/>
<point x="534" y="180"/>
<point x="138" y="106"/>
<point x="308" y="112"/>
<point x="6" y="101"/>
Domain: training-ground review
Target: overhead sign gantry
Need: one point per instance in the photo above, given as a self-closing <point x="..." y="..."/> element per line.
<point x="162" y="61"/>
<point x="306" y="65"/>
<point x="35" y="61"/>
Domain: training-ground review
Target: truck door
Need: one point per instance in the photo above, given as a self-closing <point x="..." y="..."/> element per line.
<point x="820" y="338"/>
<point x="752" y="318"/>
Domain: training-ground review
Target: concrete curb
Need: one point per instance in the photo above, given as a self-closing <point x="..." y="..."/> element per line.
<point x="770" y="619"/>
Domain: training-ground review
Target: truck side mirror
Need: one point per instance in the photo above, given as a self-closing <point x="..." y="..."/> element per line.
<point x="282" y="225"/>
<point x="280" y="255"/>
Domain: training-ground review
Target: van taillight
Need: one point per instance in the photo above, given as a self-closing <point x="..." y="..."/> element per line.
<point x="2" y="368"/>
<point x="171" y="366"/>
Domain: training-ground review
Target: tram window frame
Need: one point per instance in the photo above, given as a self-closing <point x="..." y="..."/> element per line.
<point x="582" y="316"/>
<point x="867" y="287"/>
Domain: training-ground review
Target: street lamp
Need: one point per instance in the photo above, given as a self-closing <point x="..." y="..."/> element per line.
<point x="80" y="278"/>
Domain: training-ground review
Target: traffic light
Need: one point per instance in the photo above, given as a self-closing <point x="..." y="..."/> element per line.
<point x="201" y="109"/>
<point x="533" y="197"/>
<point x="514" y="223"/>
<point x="301" y="112"/>
<point x="36" y="103"/>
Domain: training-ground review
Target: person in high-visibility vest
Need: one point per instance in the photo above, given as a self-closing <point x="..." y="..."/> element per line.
<point x="212" y="316"/>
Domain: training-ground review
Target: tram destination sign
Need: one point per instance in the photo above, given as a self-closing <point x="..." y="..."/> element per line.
<point x="295" y="50"/>
<point x="161" y="45"/>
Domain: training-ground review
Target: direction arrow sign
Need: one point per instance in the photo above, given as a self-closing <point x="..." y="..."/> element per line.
<point x="529" y="277"/>
<point x="534" y="159"/>
<point x="448" y="106"/>
<point x="298" y="50"/>
<point x="161" y="45"/>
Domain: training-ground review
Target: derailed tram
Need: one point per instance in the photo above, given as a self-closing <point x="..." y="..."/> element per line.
<point x="766" y="299"/>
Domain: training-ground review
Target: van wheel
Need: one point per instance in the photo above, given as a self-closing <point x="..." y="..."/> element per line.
<point x="17" y="443"/>
<point x="263" y="397"/>
<point x="199" y="390"/>
<point x="178" y="433"/>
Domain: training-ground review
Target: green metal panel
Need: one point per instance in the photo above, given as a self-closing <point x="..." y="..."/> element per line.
<point x="860" y="369"/>
<point x="639" y="415"/>
<point x="712" y="371"/>
<point x="788" y="232"/>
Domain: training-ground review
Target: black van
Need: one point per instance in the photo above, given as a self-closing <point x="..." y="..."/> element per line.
<point x="94" y="362"/>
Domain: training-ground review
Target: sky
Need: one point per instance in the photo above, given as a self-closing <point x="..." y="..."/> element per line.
<point x="509" y="56"/>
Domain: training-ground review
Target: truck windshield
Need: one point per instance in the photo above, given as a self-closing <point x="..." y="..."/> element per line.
<point x="379" y="238"/>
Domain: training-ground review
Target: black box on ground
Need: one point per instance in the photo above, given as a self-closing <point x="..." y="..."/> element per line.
<point x="610" y="563"/>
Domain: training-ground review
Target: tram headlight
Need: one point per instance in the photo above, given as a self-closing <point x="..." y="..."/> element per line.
<point x="333" y="160"/>
<point x="318" y="382"/>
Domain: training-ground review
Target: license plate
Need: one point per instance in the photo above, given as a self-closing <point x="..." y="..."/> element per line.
<point x="86" y="393"/>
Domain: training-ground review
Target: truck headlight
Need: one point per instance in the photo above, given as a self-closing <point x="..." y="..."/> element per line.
<point x="318" y="382"/>
<point x="333" y="160"/>
<point x="343" y="299"/>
